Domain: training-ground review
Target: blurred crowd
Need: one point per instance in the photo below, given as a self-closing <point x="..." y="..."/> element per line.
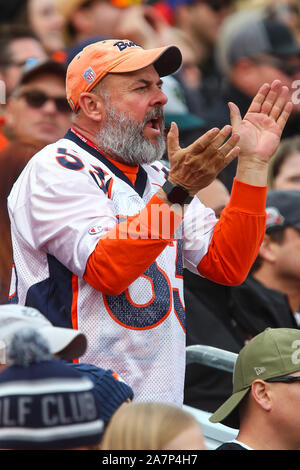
<point x="230" y="48"/>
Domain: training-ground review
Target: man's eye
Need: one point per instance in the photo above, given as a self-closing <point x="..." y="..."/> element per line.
<point x="294" y="179"/>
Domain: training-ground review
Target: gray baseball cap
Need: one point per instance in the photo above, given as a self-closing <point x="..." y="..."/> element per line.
<point x="282" y="209"/>
<point x="249" y="34"/>
<point x="64" y="342"/>
<point x="34" y="67"/>
<point x="265" y="36"/>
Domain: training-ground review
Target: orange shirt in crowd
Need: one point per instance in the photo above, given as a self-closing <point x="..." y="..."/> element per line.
<point x="3" y="140"/>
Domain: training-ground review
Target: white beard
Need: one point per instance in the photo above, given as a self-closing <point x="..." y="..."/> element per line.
<point x="123" y="138"/>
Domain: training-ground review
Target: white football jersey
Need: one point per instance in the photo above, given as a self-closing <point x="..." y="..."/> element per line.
<point x="68" y="196"/>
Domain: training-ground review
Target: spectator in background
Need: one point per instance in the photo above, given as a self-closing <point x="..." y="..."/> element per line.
<point x="201" y="20"/>
<point x="40" y="97"/>
<point x="67" y="344"/>
<point x="286" y="11"/>
<point x="17" y="45"/>
<point x="48" y="24"/>
<point x="227" y="317"/>
<point x="42" y="17"/>
<point x="252" y="49"/>
<point x="88" y="18"/>
<point x="40" y="415"/>
<point x="266" y="394"/>
<point x="37" y="114"/>
<point x="132" y="19"/>
<point x="64" y="343"/>
<point x="152" y="426"/>
<point x="278" y="264"/>
<point x="146" y="26"/>
<point x="284" y="169"/>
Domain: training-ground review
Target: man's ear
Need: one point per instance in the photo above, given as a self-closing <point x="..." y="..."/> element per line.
<point x="260" y="392"/>
<point x="91" y="106"/>
<point x="268" y="249"/>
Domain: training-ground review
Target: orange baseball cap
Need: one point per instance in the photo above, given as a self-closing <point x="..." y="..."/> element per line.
<point x="96" y="60"/>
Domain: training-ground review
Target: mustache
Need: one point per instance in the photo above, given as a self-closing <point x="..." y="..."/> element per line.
<point x="156" y="113"/>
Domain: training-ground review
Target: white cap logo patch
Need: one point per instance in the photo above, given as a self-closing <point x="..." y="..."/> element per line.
<point x="296" y="354"/>
<point x="274" y="217"/>
<point x="259" y="370"/>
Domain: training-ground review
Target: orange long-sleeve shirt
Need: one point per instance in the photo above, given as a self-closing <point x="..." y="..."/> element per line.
<point x="119" y="258"/>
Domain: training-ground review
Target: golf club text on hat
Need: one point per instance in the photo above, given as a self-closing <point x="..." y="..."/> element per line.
<point x="66" y="342"/>
<point x="44" y="404"/>
<point x="96" y="60"/>
<point x="273" y="353"/>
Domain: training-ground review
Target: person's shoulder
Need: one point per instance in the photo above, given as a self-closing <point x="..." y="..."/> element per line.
<point x="231" y="446"/>
<point x="63" y="153"/>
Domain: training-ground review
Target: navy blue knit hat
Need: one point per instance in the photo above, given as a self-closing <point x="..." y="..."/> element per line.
<point x="43" y="403"/>
<point x="111" y="391"/>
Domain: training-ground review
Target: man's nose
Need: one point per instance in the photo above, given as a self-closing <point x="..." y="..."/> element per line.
<point x="49" y="107"/>
<point x="159" y="98"/>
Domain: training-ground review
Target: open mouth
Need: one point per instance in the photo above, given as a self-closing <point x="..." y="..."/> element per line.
<point x="154" y="124"/>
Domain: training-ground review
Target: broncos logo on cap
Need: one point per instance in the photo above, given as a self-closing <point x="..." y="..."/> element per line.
<point x="274" y="218"/>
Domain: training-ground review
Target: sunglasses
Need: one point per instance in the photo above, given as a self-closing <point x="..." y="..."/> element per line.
<point x="218" y="5"/>
<point x="36" y="99"/>
<point x="289" y="379"/>
<point x="277" y="63"/>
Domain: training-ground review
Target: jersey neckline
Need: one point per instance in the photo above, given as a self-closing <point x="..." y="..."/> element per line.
<point x="88" y="146"/>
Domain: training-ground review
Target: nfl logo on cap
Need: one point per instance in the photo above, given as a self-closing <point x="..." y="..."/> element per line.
<point x="89" y="75"/>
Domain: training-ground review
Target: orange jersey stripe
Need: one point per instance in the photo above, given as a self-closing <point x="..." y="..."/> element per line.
<point x="74" y="302"/>
<point x="74" y="315"/>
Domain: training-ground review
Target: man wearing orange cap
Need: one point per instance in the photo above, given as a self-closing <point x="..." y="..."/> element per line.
<point x="101" y="229"/>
